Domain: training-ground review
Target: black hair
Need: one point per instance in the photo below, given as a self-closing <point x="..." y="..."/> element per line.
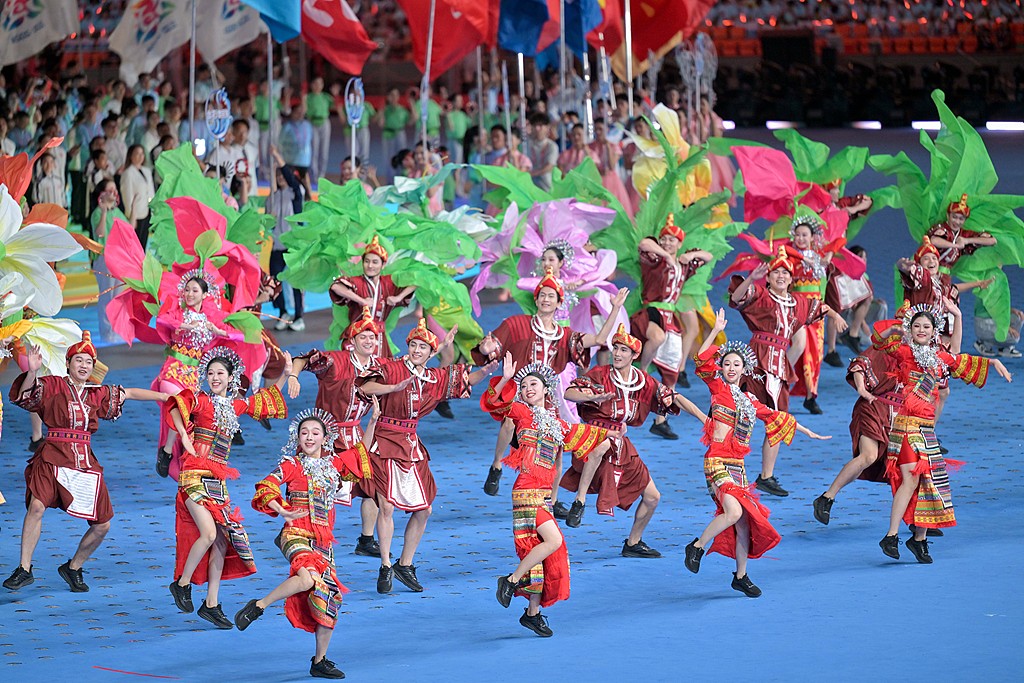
<point x="858" y="250"/>
<point x="926" y="314"/>
<point x="539" y="119"/>
<point x="131" y="151"/>
<point x="558" y="253"/>
<point x="228" y="365"/>
<point x="203" y="284"/>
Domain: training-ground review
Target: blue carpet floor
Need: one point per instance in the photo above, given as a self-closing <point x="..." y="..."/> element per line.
<point x="833" y="606"/>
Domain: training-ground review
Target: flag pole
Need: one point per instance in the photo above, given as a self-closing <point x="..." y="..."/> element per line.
<point x="629" y="57"/>
<point x="508" y="110"/>
<point x="192" y="79"/>
<point x="271" y="173"/>
<point x="522" y="93"/>
<point x="479" y="88"/>
<point x="425" y="85"/>
<point x="588" y="98"/>
<point x="561" y="71"/>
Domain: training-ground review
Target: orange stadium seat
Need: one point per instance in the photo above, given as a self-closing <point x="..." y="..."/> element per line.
<point x="902" y="46"/>
<point x="910" y="28"/>
<point x="919" y="45"/>
<point x="750" y="48"/>
<point x="964" y="27"/>
<point x="737" y="32"/>
<point x="860" y="30"/>
<point x="729" y="48"/>
<point x="936" y="44"/>
<point x="969" y="43"/>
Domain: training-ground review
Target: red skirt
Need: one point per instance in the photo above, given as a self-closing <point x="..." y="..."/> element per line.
<point x="319" y="605"/>
<point x="238" y="560"/>
<point x="41" y="483"/>
<point x="729" y="477"/>
<point x="872" y="421"/>
<point x="409" y="486"/>
<point x="530" y="509"/>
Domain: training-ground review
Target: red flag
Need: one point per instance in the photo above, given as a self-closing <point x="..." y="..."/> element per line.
<point x="459" y="26"/>
<point x="331" y="28"/>
<point x="658" y="26"/>
<point x="612" y="27"/>
<point x="493" y="12"/>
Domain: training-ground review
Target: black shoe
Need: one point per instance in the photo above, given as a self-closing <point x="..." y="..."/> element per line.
<point x="943" y="449"/>
<point x="278" y="540"/>
<point x="248" y="614"/>
<point x="811" y="406"/>
<point x="492" y="482"/>
<point x="693" y="556"/>
<point x="745" y="586"/>
<point x="445" y="410"/>
<point x="663" y="430"/>
<point x="920" y="550"/>
<point x="73" y="578"/>
<point x="771" y="486"/>
<point x="407" y="575"/>
<point x="34" y="444"/>
<point x="823" y="508"/>
<point x="832" y="358"/>
<point x="559" y="511"/>
<point x="215" y="615"/>
<point x="19" y="578"/>
<point x="237" y="439"/>
<point x="890" y="545"/>
<point x="367" y="546"/>
<point x="933" y="533"/>
<point x="506" y="590"/>
<point x="384" y="579"/>
<point x="182" y="596"/>
<point x="163" y="461"/>
<point x="683" y="381"/>
<point x="638" y="549"/>
<point x="575" y="516"/>
<point x="852" y="343"/>
<point x="265" y="423"/>
<point x="538" y="623"/>
<point x="325" y="668"/>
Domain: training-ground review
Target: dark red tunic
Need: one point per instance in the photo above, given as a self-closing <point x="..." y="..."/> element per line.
<point x="622" y="476"/>
<point x="873" y="419"/>
<point x="517" y="336"/>
<point x="377" y="292"/>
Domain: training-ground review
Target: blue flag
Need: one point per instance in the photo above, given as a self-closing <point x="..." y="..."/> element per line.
<point x="520" y="23"/>
<point x="282" y="17"/>
<point x="581" y="17"/>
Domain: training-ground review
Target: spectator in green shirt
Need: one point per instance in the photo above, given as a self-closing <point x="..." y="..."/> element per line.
<point x="457" y="122"/>
<point x="362" y="129"/>
<point x="105" y="199"/>
<point x="394" y="119"/>
<point x="318" y="112"/>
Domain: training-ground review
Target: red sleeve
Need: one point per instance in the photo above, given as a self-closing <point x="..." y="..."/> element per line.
<point x="381" y="371"/>
<point x="354" y="463"/>
<point x="32" y="398"/>
<point x="755" y="297"/>
<point x="186" y="402"/>
<point x="268" y="490"/>
<point x="336" y="298"/>
<point x="659" y="395"/>
<point x="453" y="381"/>
<point x="707" y="368"/>
<point x="393" y="290"/>
<point x="501" y="334"/>
<point x="320" y="363"/>
<point x="779" y="427"/>
<point x="111" y="401"/>
<point x="970" y="369"/>
<point x="265" y="403"/>
<point x="498" y="405"/>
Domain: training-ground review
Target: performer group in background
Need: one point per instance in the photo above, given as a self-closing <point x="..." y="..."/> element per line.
<point x="574" y="365"/>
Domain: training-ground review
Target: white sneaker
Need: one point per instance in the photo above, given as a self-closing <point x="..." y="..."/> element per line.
<point x="983" y="349"/>
<point x="297" y="326"/>
<point x="1010" y="352"/>
<point x="283" y="323"/>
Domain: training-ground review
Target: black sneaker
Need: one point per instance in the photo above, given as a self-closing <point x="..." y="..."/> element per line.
<point x="538" y="623"/>
<point x="928" y="532"/>
<point x="832" y="358"/>
<point x="325" y="668"/>
<point x="367" y="546"/>
<point x="823" y="508"/>
<point x="237" y="439"/>
<point x="559" y="511"/>
<point x="693" y="556"/>
<point x="575" y="516"/>
<point x="248" y="614"/>
<point x="445" y="410"/>
<point x="384" y="579"/>
<point x="683" y="381"/>
<point x="745" y="585"/>
<point x="182" y="596"/>
<point x="73" y="578"/>
<point x="663" y="430"/>
<point x="279" y="540"/>
<point x="215" y="615"/>
<point x="771" y="486"/>
<point x="34" y="444"/>
<point x="943" y="449"/>
<point x="407" y="575"/>
<point x="506" y="590"/>
<point x="19" y="578"/>
<point x="265" y="423"/>
<point x="638" y="549"/>
<point x="920" y="550"/>
<point x="852" y="343"/>
<point x="163" y="461"/>
<point x="811" y="406"/>
<point x="492" y="482"/>
<point x="890" y="545"/>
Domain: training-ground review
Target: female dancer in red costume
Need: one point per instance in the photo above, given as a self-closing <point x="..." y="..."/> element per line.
<point x="915" y="466"/>
<point x="312" y="472"/>
<point x="211" y="542"/>
<point x="542" y="575"/>
<point x="741" y="529"/>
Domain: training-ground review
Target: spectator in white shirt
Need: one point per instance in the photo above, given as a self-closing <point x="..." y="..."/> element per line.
<point x="542" y="151"/>
<point x="50" y="186"/>
<point x="7" y="147"/>
<point x="243" y="144"/>
<point x="224" y="155"/>
<point x="117" y="150"/>
<point x="137" y="191"/>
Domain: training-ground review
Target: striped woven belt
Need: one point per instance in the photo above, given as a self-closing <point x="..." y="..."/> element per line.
<point x="608" y="424"/>
<point x="68" y="436"/>
<point x="397" y="425"/>
<point x="771" y="340"/>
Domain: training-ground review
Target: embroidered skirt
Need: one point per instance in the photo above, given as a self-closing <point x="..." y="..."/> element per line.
<point x="319" y="605"/>
<point x="550" y="579"/>
<point x="728" y="477"/>
<point x="912" y="441"/>
<point x="212" y="493"/>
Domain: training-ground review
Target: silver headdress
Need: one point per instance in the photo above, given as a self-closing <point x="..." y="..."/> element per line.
<point x="331" y="430"/>
<point x="226" y="354"/>
<point x="546" y="375"/>
<point x="568" y="254"/>
<point x="743" y="350"/>
<point x="813" y="223"/>
<point x="213" y="289"/>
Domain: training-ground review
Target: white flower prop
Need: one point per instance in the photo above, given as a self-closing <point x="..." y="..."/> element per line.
<point x="29" y="250"/>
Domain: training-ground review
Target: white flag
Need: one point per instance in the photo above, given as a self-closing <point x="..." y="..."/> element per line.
<point x="148" y="31"/>
<point x="27" y="26"/>
<point x="225" y="25"/>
